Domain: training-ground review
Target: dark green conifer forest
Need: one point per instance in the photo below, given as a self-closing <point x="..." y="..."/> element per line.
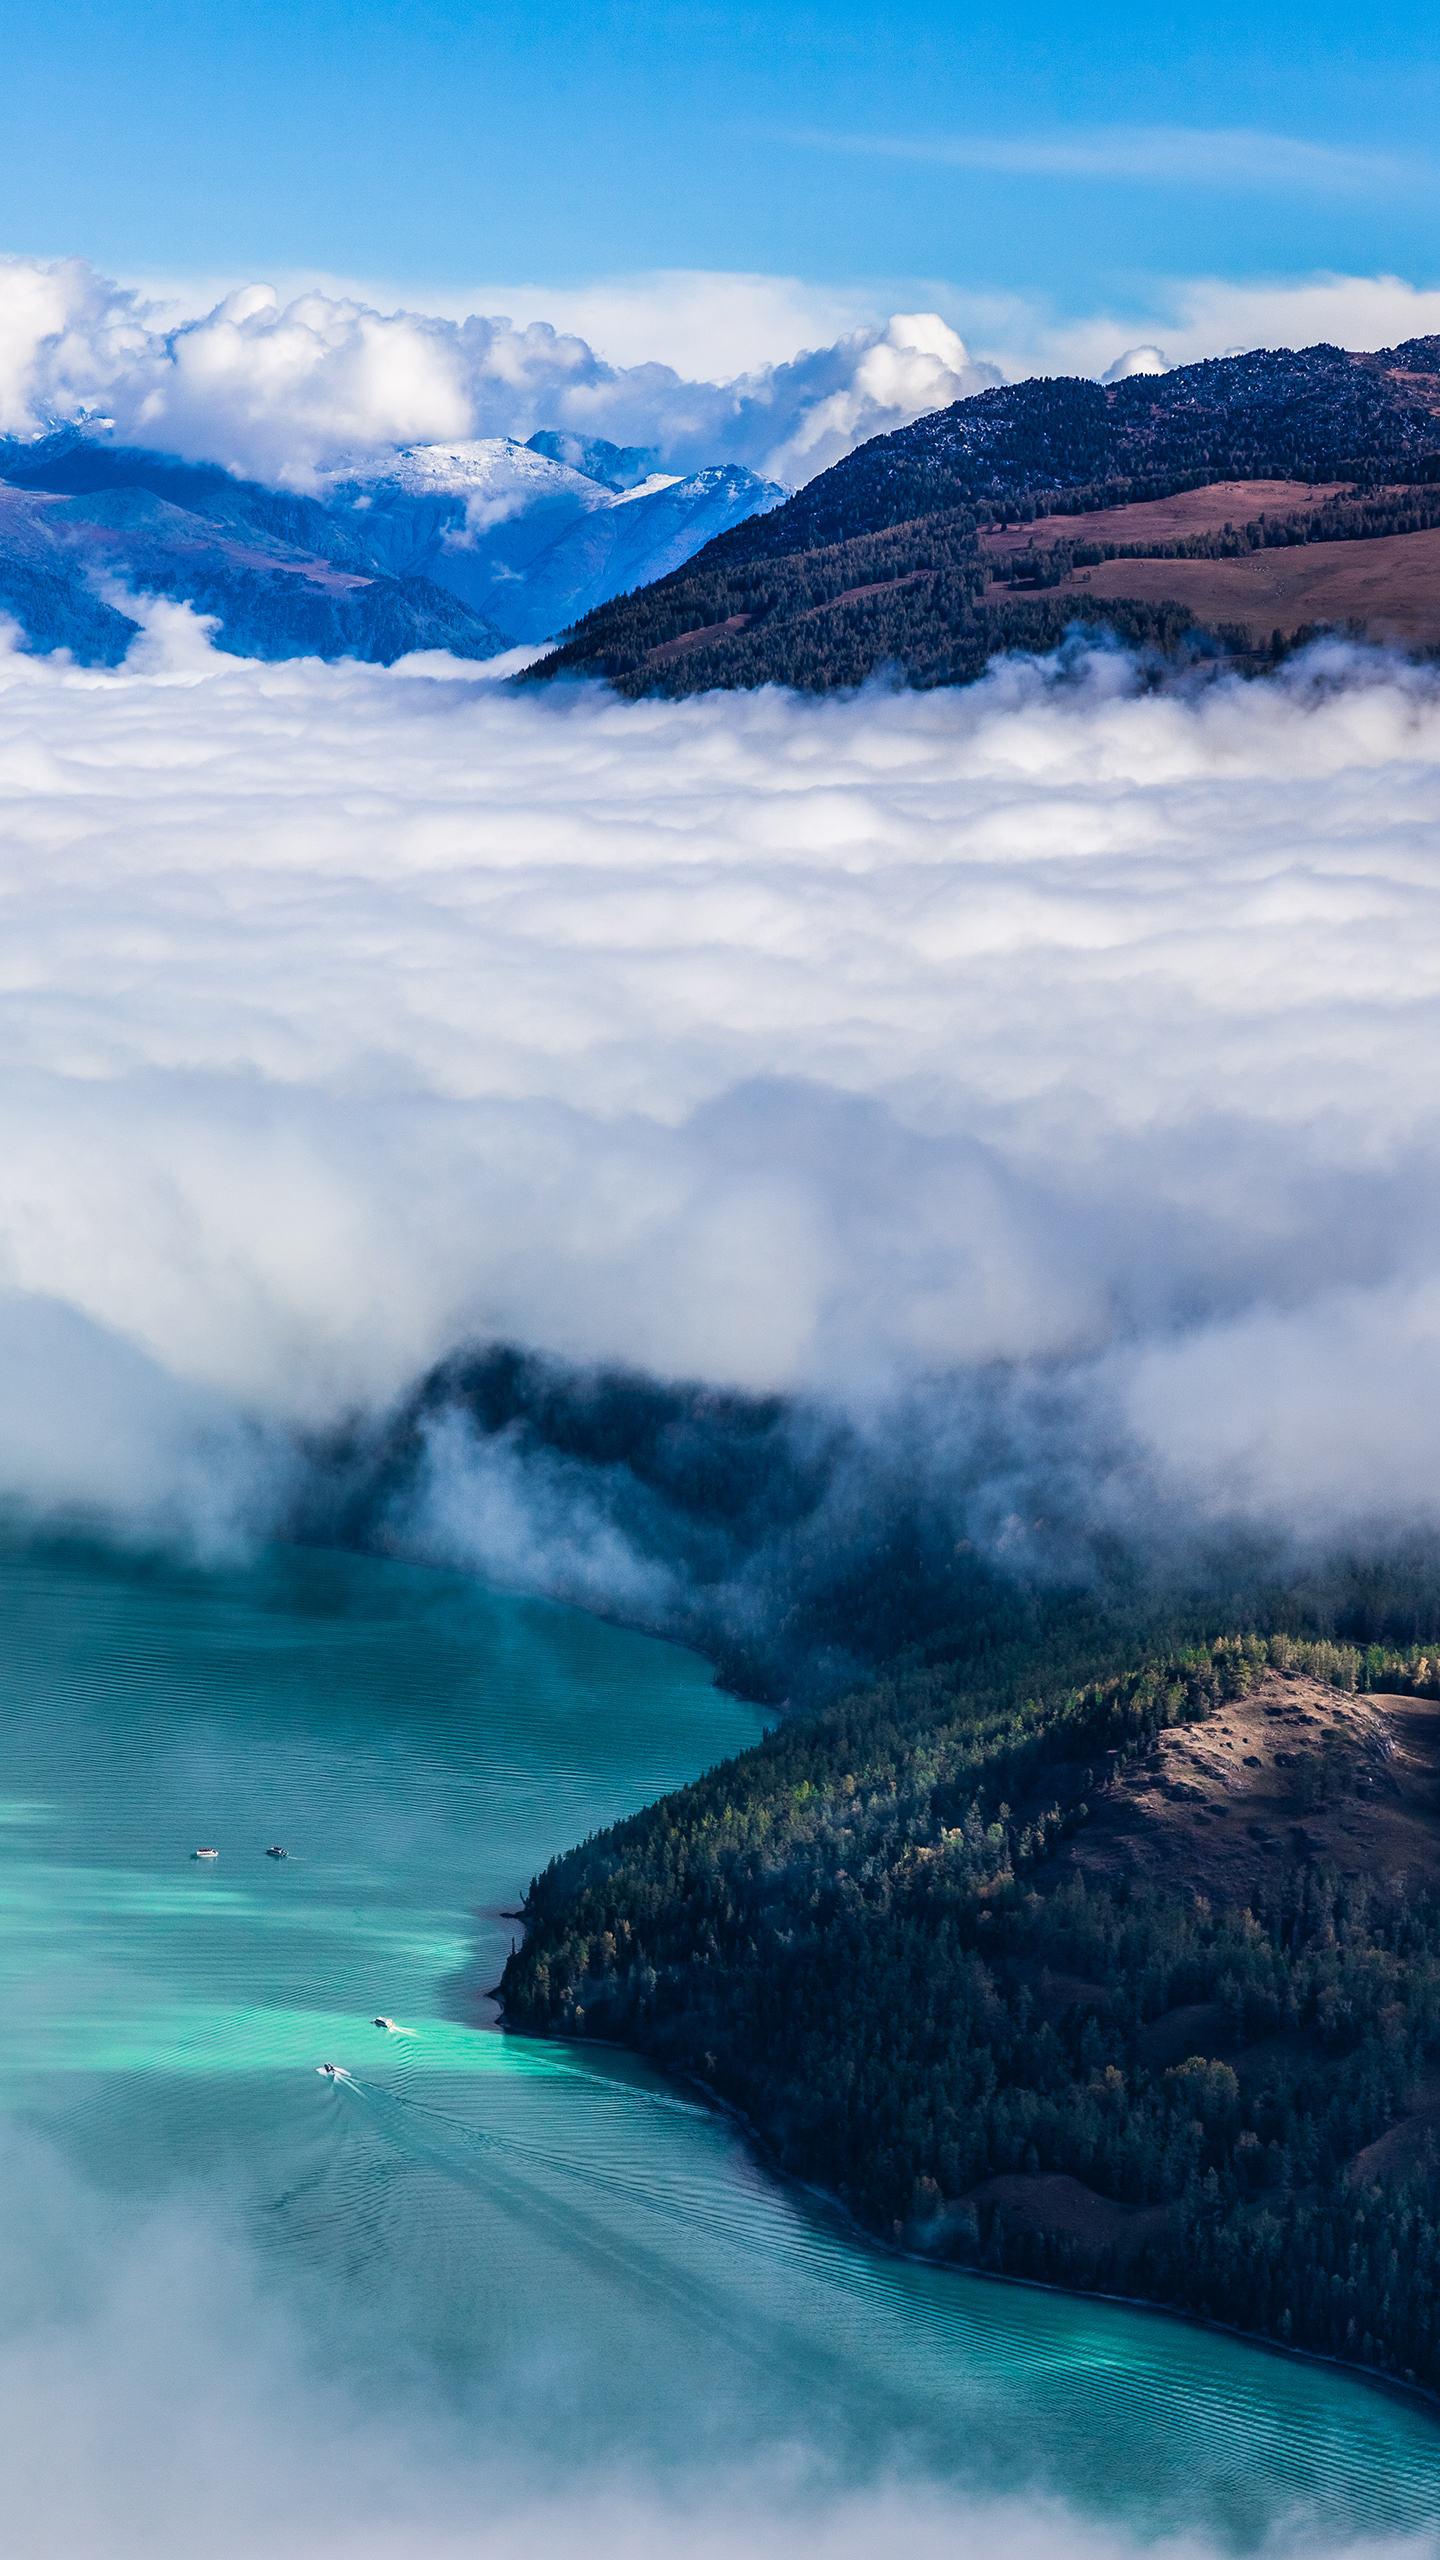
<point x="878" y="1935"/>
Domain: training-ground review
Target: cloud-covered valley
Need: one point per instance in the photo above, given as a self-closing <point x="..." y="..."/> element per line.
<point x="1063" y="1039"/>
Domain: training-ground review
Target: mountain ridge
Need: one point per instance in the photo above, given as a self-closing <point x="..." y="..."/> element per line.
<point x="885" y="549"/>
<point x="466" y="548"/>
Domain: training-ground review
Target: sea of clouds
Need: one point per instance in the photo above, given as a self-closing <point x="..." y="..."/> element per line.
<point x="1038" y="1078"/>
<point x="1065" y="1039"/>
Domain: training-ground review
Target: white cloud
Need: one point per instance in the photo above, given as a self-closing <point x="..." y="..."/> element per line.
<point x="1193" y="318"/>
<point x="821" y="1045"/>
<point x="280" y="388"/>
<point x="709" y="326"/>
<point x="705" y="368"/>
<point x="704" y="323"/>
<point x="915" y="364"/>
<point x="1147" y="360"/>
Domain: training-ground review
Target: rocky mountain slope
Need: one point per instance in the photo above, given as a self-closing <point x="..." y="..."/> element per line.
<point x="86" y="526"/>
<point x="529" y="538"/>
<point x="465" y="548"/>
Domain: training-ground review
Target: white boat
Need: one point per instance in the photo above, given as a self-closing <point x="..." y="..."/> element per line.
<point x="204" y="1853"/>
<point x="387" y="2023"/>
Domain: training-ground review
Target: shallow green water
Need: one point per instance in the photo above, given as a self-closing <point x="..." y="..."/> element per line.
<point x="490" y="2211"/>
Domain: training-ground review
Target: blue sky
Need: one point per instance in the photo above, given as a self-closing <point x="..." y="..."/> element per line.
<point x="1064" y="151"/>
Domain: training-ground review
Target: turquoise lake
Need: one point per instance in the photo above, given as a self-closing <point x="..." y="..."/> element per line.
<point x="481" y="2209"/>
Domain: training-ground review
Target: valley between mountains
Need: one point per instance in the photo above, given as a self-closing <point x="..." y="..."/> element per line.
<point x="1224" y="512"/>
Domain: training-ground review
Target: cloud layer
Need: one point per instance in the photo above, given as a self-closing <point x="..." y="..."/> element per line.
<point x="281" y="389"/>
<point x="765" y="371"/>
<point x="1184" y="320"/>
<point x="824" y="1046"/>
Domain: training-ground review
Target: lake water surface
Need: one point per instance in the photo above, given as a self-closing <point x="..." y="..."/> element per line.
<point x="553" y="2228"/>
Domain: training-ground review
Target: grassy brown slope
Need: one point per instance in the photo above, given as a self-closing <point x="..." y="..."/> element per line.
<point x="1290" y="1772"/>
<point x="1388" y="586"/>
<point x="1156" y="520"/>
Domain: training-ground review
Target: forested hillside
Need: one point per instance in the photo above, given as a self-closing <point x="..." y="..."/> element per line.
<point x="883" y="561"/>
<point x="1117" y="1973"/>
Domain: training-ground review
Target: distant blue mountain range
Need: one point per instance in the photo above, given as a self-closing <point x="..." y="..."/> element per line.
<point x="470" y="548"/>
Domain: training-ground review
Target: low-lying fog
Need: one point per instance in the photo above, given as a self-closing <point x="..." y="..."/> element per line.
<point x="821" y="1045"/>
<point x="160" y="2394"/>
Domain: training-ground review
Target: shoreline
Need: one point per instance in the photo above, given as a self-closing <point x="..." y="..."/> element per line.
<point x="1423" y="2395"/>
<point x="1414" y="2394"/>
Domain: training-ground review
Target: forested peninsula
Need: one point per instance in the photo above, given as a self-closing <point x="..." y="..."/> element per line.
<point x="1063" y="1925"/>
<point x="1109" y="1965"/>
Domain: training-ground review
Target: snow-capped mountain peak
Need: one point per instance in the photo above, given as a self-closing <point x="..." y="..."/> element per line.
<point x="481" y="467"/>
<point x="647" y="488"/>
<point x="533" y="535"/>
